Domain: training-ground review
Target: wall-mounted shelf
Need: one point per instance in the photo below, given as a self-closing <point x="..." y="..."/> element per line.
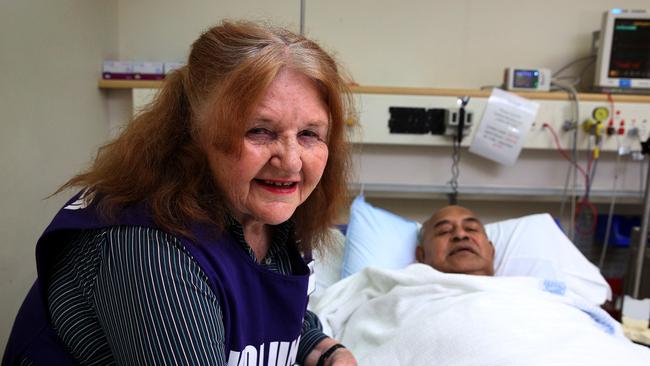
<point x="129" y="84"/>
<point x="591" y="97"/>
<point x="489" y="193"/>
<point x="373" y="104"/>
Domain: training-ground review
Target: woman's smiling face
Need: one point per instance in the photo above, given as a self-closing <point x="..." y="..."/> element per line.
<point x="283" y="154"/>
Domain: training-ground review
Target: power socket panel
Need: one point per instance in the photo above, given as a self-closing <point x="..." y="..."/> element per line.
<point x="630" y="120"/>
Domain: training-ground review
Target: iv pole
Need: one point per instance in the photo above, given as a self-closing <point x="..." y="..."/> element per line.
<point x="302" y="17"/>
<point x="643" y="237"/>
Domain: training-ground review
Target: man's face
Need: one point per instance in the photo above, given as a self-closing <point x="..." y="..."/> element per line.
<point x="454" y="241"/>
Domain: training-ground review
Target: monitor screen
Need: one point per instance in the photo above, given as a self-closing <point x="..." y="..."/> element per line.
<point x="630" y="55"/>
<point x="528" y="79"/>
<point x="623" y="61"/>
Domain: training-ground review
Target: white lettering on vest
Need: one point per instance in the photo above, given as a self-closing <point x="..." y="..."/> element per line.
<point x="280" y="354"/>
<point x="84" y="200"/>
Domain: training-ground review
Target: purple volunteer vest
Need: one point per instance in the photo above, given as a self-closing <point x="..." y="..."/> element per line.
<point x="262" y="310"/>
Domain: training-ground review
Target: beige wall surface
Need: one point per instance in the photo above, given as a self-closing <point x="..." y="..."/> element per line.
<point x="163" y="30"/>
<point x="52" y="119"/>
<point x="454" y="43"/>
<point x="442" y="43"/>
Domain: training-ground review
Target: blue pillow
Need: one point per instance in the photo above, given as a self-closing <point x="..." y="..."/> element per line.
<point x="378" y="238"/>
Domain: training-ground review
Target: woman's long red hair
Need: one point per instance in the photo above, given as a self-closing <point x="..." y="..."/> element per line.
<point x="158" y="158"/>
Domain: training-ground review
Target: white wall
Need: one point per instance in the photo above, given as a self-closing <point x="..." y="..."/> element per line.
<point x="52" y="119"/>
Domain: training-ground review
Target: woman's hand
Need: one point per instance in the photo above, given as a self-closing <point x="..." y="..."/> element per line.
<point x="340" y="357"/>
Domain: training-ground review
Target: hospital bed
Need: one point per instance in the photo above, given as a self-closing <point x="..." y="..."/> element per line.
<point x="541" y="308"/>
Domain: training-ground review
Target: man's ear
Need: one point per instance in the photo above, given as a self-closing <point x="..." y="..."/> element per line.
<point x="419" y="254"/>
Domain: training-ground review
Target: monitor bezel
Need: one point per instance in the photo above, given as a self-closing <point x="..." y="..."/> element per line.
<point x="603" y="80"/>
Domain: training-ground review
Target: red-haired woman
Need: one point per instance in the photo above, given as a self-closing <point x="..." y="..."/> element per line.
<point x="184" y="244"/>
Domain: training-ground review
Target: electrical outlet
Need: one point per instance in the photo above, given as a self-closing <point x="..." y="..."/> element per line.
<point x="452" y="122"/>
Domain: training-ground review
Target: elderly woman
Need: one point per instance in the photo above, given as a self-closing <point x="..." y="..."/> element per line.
<point x="184" y="245"/>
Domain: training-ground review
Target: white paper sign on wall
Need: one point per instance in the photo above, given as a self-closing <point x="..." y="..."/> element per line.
<point x="504" y="126"/>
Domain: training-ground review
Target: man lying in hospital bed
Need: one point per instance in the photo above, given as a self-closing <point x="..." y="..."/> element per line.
<point x="540" y="308"/>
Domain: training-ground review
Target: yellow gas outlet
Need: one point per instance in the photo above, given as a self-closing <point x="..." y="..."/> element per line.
<point x="600" y="114"/>
<point x="589" y="126"/>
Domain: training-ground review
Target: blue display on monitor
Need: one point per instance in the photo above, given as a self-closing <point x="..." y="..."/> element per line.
<point x="625" y="83"/>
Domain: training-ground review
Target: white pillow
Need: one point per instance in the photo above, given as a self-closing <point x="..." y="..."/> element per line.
<point x="527" y="246"/>
<point x="535" y="246"/>
<point x="378" y="238"/>
<point x="328" y="263"/>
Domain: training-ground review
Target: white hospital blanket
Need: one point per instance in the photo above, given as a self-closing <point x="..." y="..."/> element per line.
<point x="419" y="316"/>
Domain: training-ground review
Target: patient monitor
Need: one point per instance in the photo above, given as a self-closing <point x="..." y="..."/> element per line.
<point x="623" y="62"/>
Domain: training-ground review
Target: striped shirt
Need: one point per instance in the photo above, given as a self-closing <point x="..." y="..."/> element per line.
<point x="169" y="315"/>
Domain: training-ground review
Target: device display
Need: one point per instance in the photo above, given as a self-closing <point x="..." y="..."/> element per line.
<point x="530" y="79"/>
<point x="624" y="51"/>
<point x="630" y="55"/>
<point x="526" y="79"/>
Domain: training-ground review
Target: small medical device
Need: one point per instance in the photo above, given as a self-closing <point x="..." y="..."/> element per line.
<point x="527" y="79"/>
<point x="623" y="62"/>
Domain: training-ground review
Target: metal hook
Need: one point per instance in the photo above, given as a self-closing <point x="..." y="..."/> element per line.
<point x="462" y="101"/>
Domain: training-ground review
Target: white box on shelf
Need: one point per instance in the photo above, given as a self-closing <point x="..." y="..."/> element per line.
<point x="117" y="70"/>
<point x="148" y="70"/>
<point x="171" y="66"/>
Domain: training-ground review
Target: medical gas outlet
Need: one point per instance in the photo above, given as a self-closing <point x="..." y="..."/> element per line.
<point x="593" y="127"/>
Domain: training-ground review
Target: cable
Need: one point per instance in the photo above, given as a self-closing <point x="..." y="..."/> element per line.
<point x="590" y="57"/>
<point x="563" y="152"/>
<point x="571" y="172"/>
<point x="584" y="202"/>
<point x="594" y="157"/>
<point x="612" y="202"/>
<point x="641" y="179"/>
<point x="302" y="17"/>
<point x="455" y="152"/>
<point x="574" y="155"/>
<point x="565" y="196"/>
<point x="611" y="106"/>
<point x="610" y="214"/>
<point x="576" y="79"/>
<point x="590" y="161"/>
<point x="585" y="68"/>
<point x="455" y="172"/>
<point x="573" y="97"/>
<point x="572" y="125"/>
<point x="592" y="175"/>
